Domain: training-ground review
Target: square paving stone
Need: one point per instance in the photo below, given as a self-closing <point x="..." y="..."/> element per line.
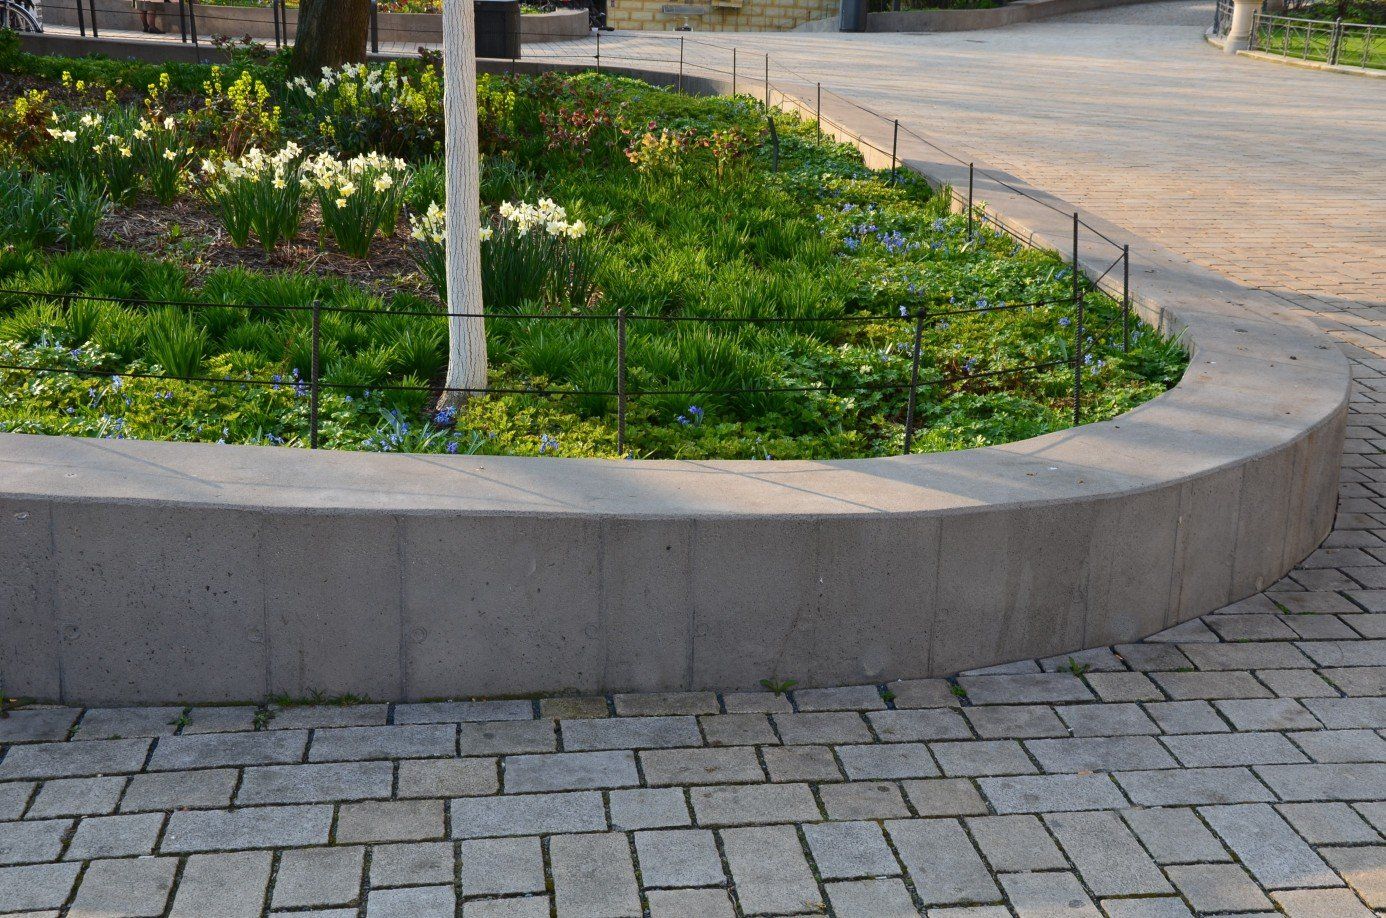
<point x="447" y="778"/>
<point x="424" y="741"/>
<point x="528" y="814"/>
<point x="1296" y="683"/>
<point x="845" y="698"/>
<point x="801" y="763"/>
<point x="982" y="757"/>
<point x="1328" y="824"/>
<point x="1100" y="753"/>
<point x="771" y="875"/>
<point x="14" y="797"/>
<point x="1209" y="685"/>
<point x="648" y="808"/>
<point x="1037" y="688"/>
<point x="1315" y="603"/>
<point x="1159" y="907"/>
<point x="569" y="771"/>
<point x="1358" y="681"/>
<point x="593" y="876"/>
<point x="114" y="836"/>
<point x="176" y="790"/>
<point x="1193" y="786"/>
<point x="1016" y="844"/>
<point x="126" y="888"/>
<point x="451" y="712"/>
<point x="1187" y="717"/>
<point x="390" y="821"/>
<point x="73" y="760"/>
<point x="847" y="850"/>
<point x="316" y="783"/>
<point x="77" y="797"/>
<point x="1320" y="903"/>
<point x="679" y="857"/>
<point x="413" y="864"/>
<point x="32" y="842"/>
<point x="887" y="761"/>
<point x="824" y="728"/>
<point x="1322" y="627"/>
<point x="1267" y="714"/>
<point x="38" y="886"/>
<point x="1212" y="888"/>
<point x="1107" y="720"/>
<point x="1015" y="722"/>
<point x="1364" y="869"/>
<point x="1345" y="653"/>
<point x="1349" y="713"/>
<point x="527" y="907"/>
<point x="1108" y="857"/>
<point x="878" y="898"/>
<point x="730" y="765"/>
<point x="1052" y="793"/>
<point x="919" y="725"/>
<point x="35" y="725"/>
<point x="1253" y="627"/>
<point x="863" y="800"/>
<point x="125" y="723"/>
<point x="309" y="716"/>
<point x="1045" y="894"/>
<point x="1346" y="781"/>
<point x="1096" y="660"/>
<point x="738" y="730"/>
<point x="941" y="861"/>
<point x="658" y="704"/>
<point x="1268" y="847"/>
<point x="413" y="902"/>
<point x="1117" y="687"/>
<point x="501" y="866"/>
<point x="567" y="707"/>
<point x="508" y="737"/>
<point x="1174" y="835"/>
<point x="225" y="885"/>
<point x="687" y="903"/>
<point x="1147" y="658"/>
<point x="318" y="876"/>
<point x="748" y="804"/>
<point x="1341" y="745"/>
<point x="923" y="693"/>
<point x="252" y="827"/>
<point x="210" y="750"/>
<point x="756" y="703"/>
<point x="631" y="733"/>
<point x="220" y="719"/>
<point x="1214" y="750"/>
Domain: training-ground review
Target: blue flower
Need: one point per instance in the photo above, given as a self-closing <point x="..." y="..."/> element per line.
<point x="1065" y="321"/>
<point x="445" y="417"/>
<point x="547" y="443"/>
<point x="452" y="446"/>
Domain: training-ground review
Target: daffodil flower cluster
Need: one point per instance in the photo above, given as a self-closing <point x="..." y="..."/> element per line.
<point x="100" y="148"/>
<point x="361" y="108"/>
<point x="524" y="219"/>
<point x="165" y="156"/>
<point x="259" y="192"/>
<point x="359" y="197"/>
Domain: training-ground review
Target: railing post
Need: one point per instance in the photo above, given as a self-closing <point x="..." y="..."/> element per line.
<point x="375" y="27"/>
<point x="680" y="63"/>
<point x="919" y="317"/>
<point x="733" y="72"/>
<point x="94" y="33"/>
<point x="313" y="372"/>
<point x="621" y="381"/>
<point x="81" y="20"/>
<point x="774" y="143"/>
<point x="1126" y="298"/>
<point x="818" y="113"/>
<point x="1336" y="42"/>
<point x="894" y="152"/>
<point x="970" y="171"/>
<point x="274" y="12"/>
<point x="599" y="50"/>
<point x="192" y="22"/>
<point x="1077" y="333"/>
<point x="767" y="82"/>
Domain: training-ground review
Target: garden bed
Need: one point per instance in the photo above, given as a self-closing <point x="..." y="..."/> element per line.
<point x="684" y="214"/>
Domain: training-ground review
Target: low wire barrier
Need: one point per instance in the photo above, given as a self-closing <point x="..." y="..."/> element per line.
<point x="1339" y="43"/>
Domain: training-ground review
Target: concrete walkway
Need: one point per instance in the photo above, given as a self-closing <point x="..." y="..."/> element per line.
<point x="1233" y="765"/>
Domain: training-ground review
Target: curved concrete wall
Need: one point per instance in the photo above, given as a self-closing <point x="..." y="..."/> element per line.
<point x="138" y="572"/>
<point x="994" y="18"/>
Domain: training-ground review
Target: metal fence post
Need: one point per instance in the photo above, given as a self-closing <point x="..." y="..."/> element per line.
<point x="599" y="50"/>
<point x="1077" y="333"/>
<point x="621" y="381"/>
<point x="680" y="63"/>
<point x="192" y="22"/>
<point x="970" y="171"/>
<point x="1126" y="298"/>
<point x="733" y="72"/>
<point x="914" y="377"/>
<point x="774" y="143"/>
<point x="818" y="113"/>
<point x="767" y="82"/>
<point x="94" y="33"/>
<point x="1336" y="42"/>
<point x="894" y="152"/>
<point x="313" y="371"/>
<point x="274" y="12"/>
<point x="375" y="27"/>
<point x="81" y="20"/>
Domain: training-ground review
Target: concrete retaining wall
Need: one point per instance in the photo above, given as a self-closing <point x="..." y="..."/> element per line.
<point x="995" y="18"/>
<point x="141" y="572"/>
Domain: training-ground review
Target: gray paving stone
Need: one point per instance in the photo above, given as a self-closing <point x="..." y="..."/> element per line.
<point x="176" y="790"/>
<point x="944" y="866"/>
<point x="125" y="888"/>
<point x="631" y="733"/>
<point x="919" y="725"/>
<point x="1315" y="603"/>
<point x="1320" y="903"/>
<point x="1193" y="786"/>
<point x="1212" y="888"/>
<point x="220" y="719"/>
<point x="971" y="911"/>
<point x="212" y="750"/>
<point x="876" y="898"/>
<point x="1048" y="895"/>
<point x="526" y="907"/>
<point x="1187" y="717"/>
<point x="318" y="876"/>
<point x="36" y="725"/>
<point x="1268" y="714"/>
<point x="1015" y="722"/>
<point x="1185" y="632"/>
<point x="1174" y="835"/>
<point x="1052" y="793"/>
<point x="573" y="707"/>
<point x="1358" y="681"/>
<point x="593" y="876"/>
<point x="341" y="744"/>
<point x="1321" y="627"/>
<point x="1328" y="823"/>
<point x="126" y="723"/>
<point x="887" y="761"/>
<point x="1037" y="688"/>
<point x="688" y="903"/>
<point x="1349" y="713"/>
<point x="1341" y="745"/>
<point x="114" y="836"/>
<point x="1210" y="685"/>
<point x="528" y="814"/>
<point x="1345" y="653"/>
<point x="729" y="765"/>
<point x="73" y="760"/>
<point x="1096" y="660"/>
<point x="74" y="797"/>
<point x="37" y="886"/>
<point x="1100" y="753"/>
<point x="771" y="875"/>
<point x="756" y="703"/>
<point x="1263" y="655"/>
<point x="1252" y="627"/>
<point x="507" y="737"/>
<point x="841" y="698"/>
<point x="817" y="729"/>
<point x="1364" y="870"/>
<point x="1296" y="683"/>
<point x="252" y="827"/>
<point x="1118" y="687"/>
<point x="32" y="842"/>
<point x="15" y="796"/>
<point x="1005" y="669"/>
<point x="1108" y="857"/>
<point x="228" y="885"/>
<point x="569" y="771"/>
<point x="847" y="850"/>
<point x="1326" y="782"/>
<point x="801" y="763"/>
<point x="1148" y="658"/>
<point x="412" y="864"/>
<point x="308" y="716"/>
<point x="738" y="730"/>
<point x="1107" y="720"/>
<point x="658" y="704"/>
<point x="648" y="808"/>
<point x="445" y="712"/>
<point x="316" y="783"/>
<point x="390" y="821"/>
<point x="923" y="693"/>
<point x="1016" y="844"/>
<point x="447" y="778"/>
<point x="501" y="866"/>
<point x="679" y="857"/>
<point x="412" y="902"/>
<point x="982" y="757"/>
<point x="1161" y="907"/>
<point x="1228" y="749"/>
<point x="750" y="804"/>
<point x="863" y="800"/>
<point x="1268" y="847"/>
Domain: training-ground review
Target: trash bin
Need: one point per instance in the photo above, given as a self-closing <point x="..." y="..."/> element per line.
<point x="497" y="28"/>
<point x="852" y="17"/>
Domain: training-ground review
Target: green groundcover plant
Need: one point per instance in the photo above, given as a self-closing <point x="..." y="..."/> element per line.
<point x="769" y="280"/>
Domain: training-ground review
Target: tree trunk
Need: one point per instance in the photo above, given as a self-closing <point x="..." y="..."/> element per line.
<point x="330" y="33"/>
<point x="466" y="336"/>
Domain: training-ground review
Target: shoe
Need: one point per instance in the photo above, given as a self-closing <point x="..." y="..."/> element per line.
<point x="155" y="30"/>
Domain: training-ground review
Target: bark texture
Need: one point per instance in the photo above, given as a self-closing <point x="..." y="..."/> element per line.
<point x="330" y="33"/>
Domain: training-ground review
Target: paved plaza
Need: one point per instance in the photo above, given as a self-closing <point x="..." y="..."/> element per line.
<point x="1232" y="766"/>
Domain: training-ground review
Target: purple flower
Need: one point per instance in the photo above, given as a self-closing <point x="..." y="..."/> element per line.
<point x="452" y="446"/>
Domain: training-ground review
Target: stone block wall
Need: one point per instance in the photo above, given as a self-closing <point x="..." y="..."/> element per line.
<point x="745" y="16"/>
